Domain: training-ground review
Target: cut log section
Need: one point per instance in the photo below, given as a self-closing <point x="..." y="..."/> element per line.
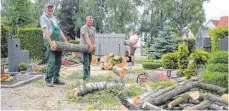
<point x="124" y="62"/>
<point x="62" y="46"/>
<point x="193" y="95"/>
<point x="90" y="87"/>
<point x="107" y="66"/>
<point x="224" y="97"/>
<point x="126" y="103"/>
<point x="104" y="59"/>
<point x="94" y="60"/>
<point x="128" y="42"/>
<point x="119" y="71"/>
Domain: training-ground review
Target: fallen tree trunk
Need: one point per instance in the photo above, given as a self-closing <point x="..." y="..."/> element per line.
<point x="126" y="103"/>
<point x="61" y="46"/>
<point x="193" y="95"/>
<point x="148" y="106"/>
<point x="202" y="105"/>
<point x="215" y="107"/>
<point x="174" y="92"/>
<point x="90" y="87"/>
<point x="213" y="97"/>
<point x="212" y="87"/>
<point x="119" y="71"/>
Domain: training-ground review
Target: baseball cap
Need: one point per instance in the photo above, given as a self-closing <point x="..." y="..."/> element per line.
<point x="49" y="5"/>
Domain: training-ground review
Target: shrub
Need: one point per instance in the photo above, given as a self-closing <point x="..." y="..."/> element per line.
<point x="191" y="71"/>
<point x="75" y="42"/>
<point x="31" y="39"/>
<point x="219" y="57"/>
<point x="216" y="34"/>
<point x="169" y="60"/>
<point x="190" y="42"/>
<point x="217" y="67"/>
<point x="22" y="66"/>
<point x="200" y="56"/>
<point x="216" y="78"/>
<point x="182" y="58"/>
<point x="151" y="65"/>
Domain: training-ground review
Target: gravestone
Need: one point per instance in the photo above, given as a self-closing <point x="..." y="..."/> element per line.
<point x="15" y="55"/>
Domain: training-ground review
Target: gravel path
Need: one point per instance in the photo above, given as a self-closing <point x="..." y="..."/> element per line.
<point x="36" y="96"/>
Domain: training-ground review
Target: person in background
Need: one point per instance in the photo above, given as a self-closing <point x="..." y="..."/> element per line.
<point x="134" y="40"/>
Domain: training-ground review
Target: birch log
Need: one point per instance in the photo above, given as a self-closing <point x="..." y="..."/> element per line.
<point x="61" y="46"/>
<point x="90" y="87"/>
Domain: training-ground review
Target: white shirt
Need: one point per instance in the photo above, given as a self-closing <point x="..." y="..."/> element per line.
<point x="133" y="38"/>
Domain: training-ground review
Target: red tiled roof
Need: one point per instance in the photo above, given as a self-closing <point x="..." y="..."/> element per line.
<point x="215" y="22"/>
<point x="223" y="22"/>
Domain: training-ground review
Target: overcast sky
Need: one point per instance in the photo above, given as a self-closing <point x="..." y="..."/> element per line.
<point x="216" y="8"/>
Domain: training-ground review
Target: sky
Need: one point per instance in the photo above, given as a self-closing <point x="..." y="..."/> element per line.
<point x="215" y="9"/>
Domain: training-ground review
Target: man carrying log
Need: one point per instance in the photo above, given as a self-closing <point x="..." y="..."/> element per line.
<point x="134" y="40"/>
<point x="51" y="32"/>
<point x="87" y="36"/>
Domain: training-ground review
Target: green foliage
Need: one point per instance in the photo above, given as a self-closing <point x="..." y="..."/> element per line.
<point x="142" y="61"/>
<point x="22" y="66"/>
<point x="155" y="85"/>
<point x="42" y="69"/>
<point x="151" y="65"/>
<point x="170" y="60"/>
<point x="190" y="42"/>
<point x="216" y="34"/>
<point x="75" y="42"/>
<point x="191" y="70"/>
<point x="164" y="43"/>
<point x="133" y="90"/>
<point x="217" y="67"/>
<point x="200" y="56"/>
<point x="71" y="58"/>
<point x="98" y="100"/>
<point x="31" y="39"/>
<point x="182" y="58"/>
<point x="219" y="57"/>
<point x="4" y="45"/>
<point x="216" y="78"/>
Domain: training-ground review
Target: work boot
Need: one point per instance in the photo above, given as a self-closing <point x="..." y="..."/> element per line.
<point x="59" y="83"/>
<point x="49" y="84"/>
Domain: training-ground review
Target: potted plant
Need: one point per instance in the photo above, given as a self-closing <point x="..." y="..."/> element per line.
<point x="22" y="67"/>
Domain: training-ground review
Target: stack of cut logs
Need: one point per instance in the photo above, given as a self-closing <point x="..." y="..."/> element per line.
<point x="115" y="63"/>
<point x="186" y="95"/>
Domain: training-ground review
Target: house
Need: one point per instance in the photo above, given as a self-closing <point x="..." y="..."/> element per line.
<point x="203" y="39"/>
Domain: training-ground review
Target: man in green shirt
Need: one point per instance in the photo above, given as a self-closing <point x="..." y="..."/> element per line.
<point x="51" y="32"/>
<point x="87" y="36"/>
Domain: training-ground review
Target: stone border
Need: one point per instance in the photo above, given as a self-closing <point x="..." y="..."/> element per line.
<point x="35" y="78"/>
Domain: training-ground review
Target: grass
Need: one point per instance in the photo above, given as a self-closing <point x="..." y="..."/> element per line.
<point x="155" y="85"/>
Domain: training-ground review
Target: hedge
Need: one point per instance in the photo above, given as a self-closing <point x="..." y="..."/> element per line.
<point x="217" y="67"/>
<point x="151" y="65"/>
<point x="170" y="60"/>
<point x="191" y="43"/>
<point x="4" y="45"/>
<point x="216" y="34"/>
<point x="31" y="39"/>
<point x="219" y="57"/>
<point x="216" y="78"/>
<point x="182" y="58"/>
